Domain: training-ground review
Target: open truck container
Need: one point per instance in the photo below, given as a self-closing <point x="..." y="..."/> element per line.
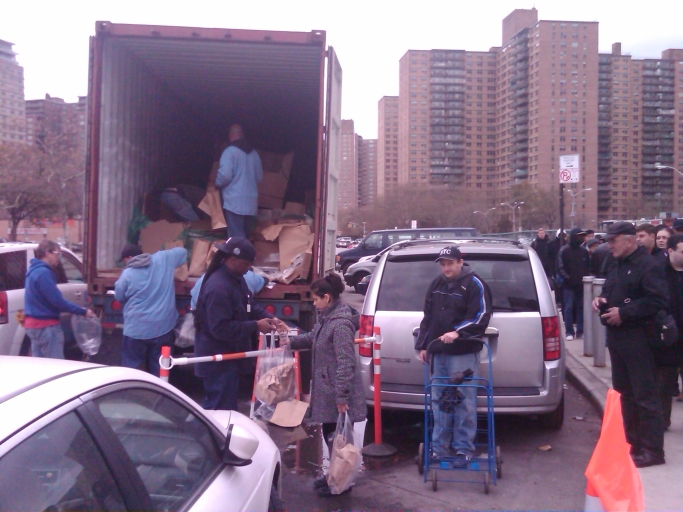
<point x="159" y="100"/>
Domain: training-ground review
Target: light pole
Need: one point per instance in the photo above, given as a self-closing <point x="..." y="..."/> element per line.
<point x="513" y="206"/>
<point x="573" y="212"/>
<point x="486" y="218"/>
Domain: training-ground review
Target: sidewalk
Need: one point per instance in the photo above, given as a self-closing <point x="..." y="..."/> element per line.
<point x="661" y="484"/>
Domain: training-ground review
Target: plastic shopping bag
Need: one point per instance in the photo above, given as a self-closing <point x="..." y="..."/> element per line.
<point x="345" y="458"/>
<point x="275" y="376"/>
<point x="88" y="333"/>
<point x="185" y="331"/>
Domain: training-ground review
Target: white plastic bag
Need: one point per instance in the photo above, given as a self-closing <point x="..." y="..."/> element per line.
<point x="275" y="376"/>
<point x="184" y="331"/>
<point x="346" y="457"/>
<point x="88" y="333"/>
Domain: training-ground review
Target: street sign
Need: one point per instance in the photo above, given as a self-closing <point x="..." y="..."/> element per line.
<point x="569" y="168"/>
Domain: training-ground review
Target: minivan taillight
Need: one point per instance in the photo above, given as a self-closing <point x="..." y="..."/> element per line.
<point x="366" y="329"/>
<point x="4" y="308"/>
<point x="551" y="338"/>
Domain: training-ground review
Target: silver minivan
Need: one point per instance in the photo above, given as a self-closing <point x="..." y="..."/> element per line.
<point x="524" y="334"/>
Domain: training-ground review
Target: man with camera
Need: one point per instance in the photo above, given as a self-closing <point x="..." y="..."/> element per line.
<point x="634" y="292"/>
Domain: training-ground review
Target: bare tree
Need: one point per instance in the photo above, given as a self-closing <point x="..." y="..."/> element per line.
<point x="23" y="190"/>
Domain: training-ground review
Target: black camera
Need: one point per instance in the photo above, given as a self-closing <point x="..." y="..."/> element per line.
<point x="603" y="308"/>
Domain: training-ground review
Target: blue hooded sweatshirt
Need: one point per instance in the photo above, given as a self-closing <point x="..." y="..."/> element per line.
<point x="148" y="295"/>
<point x="42" y="298"/>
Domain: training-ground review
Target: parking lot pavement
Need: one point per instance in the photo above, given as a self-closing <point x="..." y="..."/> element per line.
<point x="532" y="478"/>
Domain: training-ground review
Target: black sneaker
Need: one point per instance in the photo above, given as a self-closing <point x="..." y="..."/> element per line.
<point x="320" y="482"/>
<point x="461" y="461"/>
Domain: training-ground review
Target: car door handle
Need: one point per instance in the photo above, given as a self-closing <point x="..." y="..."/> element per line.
<point x="78" y="294"/>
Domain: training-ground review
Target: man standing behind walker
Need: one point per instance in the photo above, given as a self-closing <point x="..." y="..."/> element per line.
<point x="456" y="313"/>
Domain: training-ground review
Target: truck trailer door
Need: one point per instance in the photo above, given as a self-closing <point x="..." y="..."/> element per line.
<point x="332" y="161"/>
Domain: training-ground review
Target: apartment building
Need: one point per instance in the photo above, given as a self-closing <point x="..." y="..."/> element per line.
<point x="53" y="120"/>
<point x="387" y="145"/>
<point x="367" y="171"/>
<point x="12" y="114"/>
<point x="348" y="173"/>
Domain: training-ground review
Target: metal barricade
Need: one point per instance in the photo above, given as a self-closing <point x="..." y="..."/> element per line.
<point x="599" y="330"/>
<point x="587" y="316"/>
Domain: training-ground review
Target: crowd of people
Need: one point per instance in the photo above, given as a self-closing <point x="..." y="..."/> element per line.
<point x="643" y="271"/>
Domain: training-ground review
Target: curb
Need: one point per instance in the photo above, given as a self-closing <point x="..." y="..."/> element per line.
<point x="587" y="383"/>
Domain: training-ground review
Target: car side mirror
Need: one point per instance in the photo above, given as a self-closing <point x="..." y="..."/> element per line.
<point x="240" y="446"/>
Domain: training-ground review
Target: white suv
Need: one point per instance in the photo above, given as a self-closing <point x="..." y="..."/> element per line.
<point x="14" y="262"/>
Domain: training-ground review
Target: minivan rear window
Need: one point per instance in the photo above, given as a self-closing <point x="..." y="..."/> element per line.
<point x="12" y="270"/>
<point x="405" y="281"/>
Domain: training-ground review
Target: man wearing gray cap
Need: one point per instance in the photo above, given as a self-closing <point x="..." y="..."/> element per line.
<point x="634" y="292"/>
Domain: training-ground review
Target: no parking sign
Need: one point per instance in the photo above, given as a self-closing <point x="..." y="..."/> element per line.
<point x="569" y="168"/>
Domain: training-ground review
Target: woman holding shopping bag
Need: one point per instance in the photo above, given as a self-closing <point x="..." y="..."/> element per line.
<point x="336" y="386"/>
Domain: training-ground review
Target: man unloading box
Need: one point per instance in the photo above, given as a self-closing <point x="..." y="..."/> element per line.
<point x="239" y="173"/>
<point x="456" y="314"/>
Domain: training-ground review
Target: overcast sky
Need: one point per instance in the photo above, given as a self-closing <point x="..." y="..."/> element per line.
<point x="51" y="37"/>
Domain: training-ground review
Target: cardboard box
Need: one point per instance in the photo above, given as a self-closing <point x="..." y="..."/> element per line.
<point x="267" y="254"/>
<point x="295" y="208"/>
<point x="161" y="235"/>
<point x="277" y="169"/>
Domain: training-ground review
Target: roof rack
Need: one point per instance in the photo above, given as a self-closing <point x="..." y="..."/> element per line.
<point x="423" y="241"/>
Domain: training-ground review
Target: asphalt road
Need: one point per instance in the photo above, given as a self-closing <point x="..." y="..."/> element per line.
<point x="532" y="478"/>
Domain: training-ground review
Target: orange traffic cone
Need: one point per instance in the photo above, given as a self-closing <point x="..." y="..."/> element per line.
<point x="611" y="472"/>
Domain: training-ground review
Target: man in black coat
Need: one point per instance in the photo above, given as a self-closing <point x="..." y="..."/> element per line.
<point x="573" y="264"/>
<point x="633" y="294"/>
<point x="227" y="320"/>
<point x="668" y="360"/>
<point x="542" y="247"/>
<point x="456" y="313"/>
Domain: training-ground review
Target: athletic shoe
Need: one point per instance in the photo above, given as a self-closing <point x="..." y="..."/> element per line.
<point x="569" y="337"/>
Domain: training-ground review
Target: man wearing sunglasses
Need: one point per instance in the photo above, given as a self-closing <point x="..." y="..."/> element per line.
<point x="43" y="302"/>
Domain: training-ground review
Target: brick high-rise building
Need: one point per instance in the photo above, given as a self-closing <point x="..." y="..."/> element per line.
<point x="348" y="174"/>
<point x="367" y="171"/>
<point x="641" y="134"/>
<point x="387" y="145"/>
<point x="12" y="115"/>
<point x="53" y="117"/>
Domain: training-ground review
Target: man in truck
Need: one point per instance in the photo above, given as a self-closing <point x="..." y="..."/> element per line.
<point x="239" y="172"/>
<point x="147" y="293"/>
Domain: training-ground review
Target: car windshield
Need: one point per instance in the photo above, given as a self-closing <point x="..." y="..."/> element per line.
<point x="405" y="282"/>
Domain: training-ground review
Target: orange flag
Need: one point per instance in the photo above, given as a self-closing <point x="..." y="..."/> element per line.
<point x="611" y="471"/>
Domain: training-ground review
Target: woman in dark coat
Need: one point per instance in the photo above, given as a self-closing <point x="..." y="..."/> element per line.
<point x="337" y="385"/>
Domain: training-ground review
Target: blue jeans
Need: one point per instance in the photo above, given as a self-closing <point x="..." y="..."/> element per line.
<point x="572" y="300"/>
<point x="221" y="390"/>
<point x="455" y="432"/>
<point x="237" y="224"/>
<point x="135" y="353"/>
<point x="47" y="342"/>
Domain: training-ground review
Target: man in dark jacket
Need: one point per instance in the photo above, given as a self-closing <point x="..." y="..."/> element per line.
<point x="541" y="246"/>
<point x="600" y="259"/>
<point x="646" y="236"/>
<point x="573" y="265"/>
<point x="456" y="314"/>
<point x="43" y="302"/>
<point x="668" y="360"/>
<point x="633" y="294"/>
<point x="227" y="319"/>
